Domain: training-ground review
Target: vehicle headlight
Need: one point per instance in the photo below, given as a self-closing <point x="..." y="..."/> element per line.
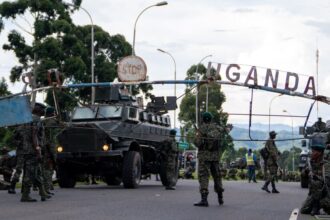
<point x="59" y="149"/>
<point x="106" y="147"/>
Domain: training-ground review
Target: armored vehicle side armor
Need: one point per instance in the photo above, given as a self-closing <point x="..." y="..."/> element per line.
<point x="116" y="139"/>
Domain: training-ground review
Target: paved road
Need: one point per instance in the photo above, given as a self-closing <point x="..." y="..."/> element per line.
<point x="243" y="201"/>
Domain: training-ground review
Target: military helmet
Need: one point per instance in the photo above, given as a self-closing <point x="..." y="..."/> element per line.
<point x="207" y="116"/>
<point x="172" y="132"/>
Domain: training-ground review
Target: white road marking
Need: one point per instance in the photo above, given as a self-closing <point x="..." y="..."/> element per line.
<point x="294" y="214"/>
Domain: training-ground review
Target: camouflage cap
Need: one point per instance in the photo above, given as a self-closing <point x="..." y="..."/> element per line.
<point x="207" y="116"/>
<point x="172" y="132"/>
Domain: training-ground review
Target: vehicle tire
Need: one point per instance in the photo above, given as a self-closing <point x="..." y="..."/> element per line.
<point x="163" y="174"/>
<point x="304" y="181"/>
<point x="65" y="178"/>
<point x="132" y="169"/>
<point x="112" y="180"/>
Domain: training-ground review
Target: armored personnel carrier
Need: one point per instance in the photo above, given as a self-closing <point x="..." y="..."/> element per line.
<point x="116" y="139"/>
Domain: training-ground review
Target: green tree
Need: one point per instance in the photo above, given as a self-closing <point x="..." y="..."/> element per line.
<point x="58" y="43"/>
<point x="216" y="98"/>
<point x="5" y="133"/>
<point x="3" y="87"/>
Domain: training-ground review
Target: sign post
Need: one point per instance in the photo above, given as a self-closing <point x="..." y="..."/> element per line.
<point x="183" y="145"/>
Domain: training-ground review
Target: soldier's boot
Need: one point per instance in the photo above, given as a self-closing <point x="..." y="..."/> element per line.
<point x="27" y="198"/>
<point x="26" y="195"/>
<point x="203" y="202"/>
<point x="50" y="193"/>
<point x="316" y="208"/>
<point x="274" y="190"/>
<point x="12" y="187"/>
<point x="170" y="188"/>
<point x="220" y="198"/>
<point x="43" y="194"/>
<point x="265" y="187"/>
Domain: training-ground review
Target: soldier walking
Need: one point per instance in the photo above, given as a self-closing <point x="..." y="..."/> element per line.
<point x="208" y="144"/>
<point x="169" y="152"/>
<point x="271" y="162"/>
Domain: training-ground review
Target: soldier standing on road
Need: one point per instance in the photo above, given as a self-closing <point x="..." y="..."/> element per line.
<point x="169" y="152"/>
<point x="32" y="157"/>
<point x="19" y="160"/>
<point x="208" y="144"/>
<point x="271" y="162"/>
<point x="49" y="155"/>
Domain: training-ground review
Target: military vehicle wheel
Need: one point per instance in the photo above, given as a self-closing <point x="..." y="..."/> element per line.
<point x="164" y="176"/>
<point x="304" y="181"/>
<point x="112" y="180"/>
<point x="65" y="178"/>
<point x="132" y="169"/>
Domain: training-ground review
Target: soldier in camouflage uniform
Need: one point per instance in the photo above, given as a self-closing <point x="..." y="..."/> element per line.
<point x="29" y="139"/>
<point x="169" y="152"/>
<point x="48" y="149"/>
<point x="272" y="165"/>
<point x="319" y="186"/>
<point x="5" y="168"/>
<point x="19" y="161"/>
<point x="312" y="203"/>
<point x="208" y="144"/>
<point x="319" y="126"/>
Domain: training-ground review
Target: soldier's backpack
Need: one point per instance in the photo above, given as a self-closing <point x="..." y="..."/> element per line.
<point x="264" y="153"/>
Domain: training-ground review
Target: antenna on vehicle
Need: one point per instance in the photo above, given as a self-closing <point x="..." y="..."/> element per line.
<point x="317" y="78"/>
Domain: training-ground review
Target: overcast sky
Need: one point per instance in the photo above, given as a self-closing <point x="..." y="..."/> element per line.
<point x="278" y="34"/>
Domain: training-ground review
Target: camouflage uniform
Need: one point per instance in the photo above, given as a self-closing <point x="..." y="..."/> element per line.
<point x="316" y="185"/>
<point x="32" y="156"/>
<point x="48" y="152"/>
<point x="271" y="162"/>
<point x="5" y="167"/>
<point x="169" y="152"/>
<point x="319" y="187"/>
<point x="208" y="144"/>
<point x="19" y="160"/>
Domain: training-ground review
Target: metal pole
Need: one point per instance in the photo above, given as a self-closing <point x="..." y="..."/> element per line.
<point x="269" y="110"/>
<point x="292" y="146"/>
<point x="134" y="33"/>
<point x="163" y="51"/>
<point x="207" y="98"/>
<point x="317" y="81"/>
<point x="92" y="49"/>
<point x="197" y="88"/>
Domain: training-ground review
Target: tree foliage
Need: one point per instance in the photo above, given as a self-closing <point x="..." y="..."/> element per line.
<point x="3" y="87"/>
<point x="216" y="98"/>
<point x="59" y="43"/>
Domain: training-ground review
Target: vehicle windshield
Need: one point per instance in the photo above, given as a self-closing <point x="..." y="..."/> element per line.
<point x="109" y="111"/>
<point x="83" y="113"/>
